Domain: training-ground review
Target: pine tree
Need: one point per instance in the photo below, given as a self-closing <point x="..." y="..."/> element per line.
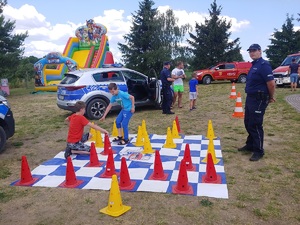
<point x="10" y="46"/>
<point x="210" y="44"/>
<point x="154" y="38"/>
<point x="283" y="42"/>
<point x="140" y="39"/>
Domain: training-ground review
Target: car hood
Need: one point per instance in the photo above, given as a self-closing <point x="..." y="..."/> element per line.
<point x="281" y="69"/>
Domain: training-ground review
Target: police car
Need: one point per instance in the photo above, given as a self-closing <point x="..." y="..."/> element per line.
<point x="91" y="86"/>
<point x="7" y="122"/>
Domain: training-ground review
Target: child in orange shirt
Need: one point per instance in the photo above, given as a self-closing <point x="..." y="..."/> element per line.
<point x="76" y="137"/>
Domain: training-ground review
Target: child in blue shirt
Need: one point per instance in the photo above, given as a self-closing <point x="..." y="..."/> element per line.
<point x="127" y="103"/>
<point x="193" y="84"/>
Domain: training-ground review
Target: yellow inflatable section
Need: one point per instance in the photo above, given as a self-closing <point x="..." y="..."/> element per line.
<point x="80" y="57"/>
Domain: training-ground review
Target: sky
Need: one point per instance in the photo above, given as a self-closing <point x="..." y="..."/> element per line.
<point x="51" y="23"/>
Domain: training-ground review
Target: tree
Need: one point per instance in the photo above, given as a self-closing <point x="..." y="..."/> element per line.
<point x="283" y="42"/>
<point x="210" y="43"/>
<point x="154" y="37"/>
<point x="11" y="44"/>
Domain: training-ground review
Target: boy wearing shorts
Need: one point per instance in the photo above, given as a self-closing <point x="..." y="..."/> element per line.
<point x="178" y="74"/>
<point x="193" y="84"/>
<point x="76" y="137"/>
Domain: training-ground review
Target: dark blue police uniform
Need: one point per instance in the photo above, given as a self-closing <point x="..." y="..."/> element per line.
<point x="257" y="101"/>
<point x="166" y="89"/>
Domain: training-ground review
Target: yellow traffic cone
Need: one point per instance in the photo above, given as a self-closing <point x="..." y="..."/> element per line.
<point x="144" y="128"/>
<point x="169" y="141"/>
<point x="115" y="207"/>
<point x="210" y="131"/>
<point x="93" y="133"/>
<point x="175" y="130"/>
<point x="99" y="141"/>
<point x="147" y="146"/>
<point x="114" y="132"/>
<point x="139" y="139"/>
<point x="211" y="150"/>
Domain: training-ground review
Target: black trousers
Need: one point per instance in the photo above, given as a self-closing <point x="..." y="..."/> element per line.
<point x="255" y="108"/>
<point x="167" y="99"/>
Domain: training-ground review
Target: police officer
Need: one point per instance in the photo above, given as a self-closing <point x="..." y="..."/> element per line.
<point x="260" y="88"/>
<point x="166" y="80"/>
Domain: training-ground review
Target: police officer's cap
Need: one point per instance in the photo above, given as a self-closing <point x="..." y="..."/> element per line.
<point x="254" y="47"/>
<point x="167" y="63"/>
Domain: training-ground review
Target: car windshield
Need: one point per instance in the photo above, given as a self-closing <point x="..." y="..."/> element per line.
<point x="288" y="60"/>
<point x="69" y="79"/>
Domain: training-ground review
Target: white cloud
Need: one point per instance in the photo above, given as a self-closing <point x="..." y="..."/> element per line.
<point x="45" y="37"/>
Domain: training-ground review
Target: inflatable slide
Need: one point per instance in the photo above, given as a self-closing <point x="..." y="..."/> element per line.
<point x="88" y="49"/>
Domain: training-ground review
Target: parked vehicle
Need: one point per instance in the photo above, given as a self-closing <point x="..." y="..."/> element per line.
<point x="233" y="71"/>
<point x="91" y="86"/>
<point x="281" y="75"/>
<point x="7" y="122"/>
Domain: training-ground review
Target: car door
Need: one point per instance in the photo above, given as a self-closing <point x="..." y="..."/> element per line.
<point x="219" y="72"/>
<point x="230" y="73"/>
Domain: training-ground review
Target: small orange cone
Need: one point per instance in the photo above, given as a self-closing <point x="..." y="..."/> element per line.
<point x="188" y="159"/>
<point x="238" y="110"/>
<point x="211" y="175"/>
<point x="233" y="92"/>
<point x="110" y="166"/>
<point x="158" y="172"/>
<point x="94" y="161"/>
<point x="107" y="146"/>
<point x="182" y="186"/>
<point x="71" y="180"/>
<point x="125" y="182"/>
<point x="26" y="177"/>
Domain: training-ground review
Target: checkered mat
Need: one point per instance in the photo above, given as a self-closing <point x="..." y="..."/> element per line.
<point x="52" y="172"/>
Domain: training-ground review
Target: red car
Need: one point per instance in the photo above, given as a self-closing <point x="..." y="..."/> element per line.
<point x="233" y="71"/>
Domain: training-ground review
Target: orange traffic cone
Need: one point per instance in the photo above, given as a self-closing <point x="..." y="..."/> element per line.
<point x="233" y="92"/>
<point x="238" y="111"/>
<point x="211" y="175"/>
<point x="71" y="180"/>
<point x="94" y="161"/>
<point x="125" y="182"/>
<point x="26" y="177"/>
<point x="188" y="159"/>
<point x="158" y="172"/>
<point x="182" y="186"/>
<point x="110" y="167"/>
<point x="107" y="146"/>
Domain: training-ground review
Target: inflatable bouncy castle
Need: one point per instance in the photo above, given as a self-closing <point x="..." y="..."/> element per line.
<point x="88" y="49"/>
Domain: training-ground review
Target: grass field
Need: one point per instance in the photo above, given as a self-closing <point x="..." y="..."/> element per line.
<point x="264" y="192"/>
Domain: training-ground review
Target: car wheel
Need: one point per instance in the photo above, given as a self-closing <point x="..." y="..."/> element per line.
<point x="242" y="79"/>
<point x="207" y="80"/>
<point x="2" y="139"/>
<point x="96" y="108"/>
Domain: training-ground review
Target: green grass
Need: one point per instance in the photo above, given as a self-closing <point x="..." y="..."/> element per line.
<point x="266" y="191"/>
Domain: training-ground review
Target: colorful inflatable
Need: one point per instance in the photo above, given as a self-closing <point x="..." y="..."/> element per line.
<point x="89" y="49"/>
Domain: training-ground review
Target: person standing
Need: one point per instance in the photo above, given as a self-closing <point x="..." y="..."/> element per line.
<point x="178" y="74"/>
<point x="166" y="80"/>
<point x="122" y="121"/>
<point x="193" y="84"/>
<point x="294" y="70"/>
<point x="260" y="89"/>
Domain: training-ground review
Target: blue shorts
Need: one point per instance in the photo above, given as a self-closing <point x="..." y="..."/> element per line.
<point x="294" y="77"/>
